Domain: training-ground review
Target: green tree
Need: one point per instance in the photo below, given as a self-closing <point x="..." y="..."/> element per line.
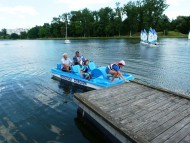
<point x="105" y="23"/>
<point x="153" y="10"/>
<point x="4" y="33"/>
<point x="87" y="21"/>
<point x="132" y="16"/>
<point x="14" y="36"/>
<point x="33" y="33"/>
<point x="164" y="24"/>
<point x="118" y="18"/>
<point x="76" y="28"/>
<point x="23" y="35"/>
<point x="56" y="25"/>
<point x="181" y="24"/>
<point x="44" y="31"/>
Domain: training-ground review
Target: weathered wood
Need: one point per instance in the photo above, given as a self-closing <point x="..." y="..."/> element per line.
<point x="181" y="134"/>
<point x="149" y="114"/>
<point x="126" y="114"/>
<point x="163" y="124"/>
<point x="142" y="113"/>
<point x="117" y="97"/>
<point x="181" y="123"/>
<point x="186" y="139"/>
<point x="142" y="109"/>
<point x="119" y="102"/>
<point x="161" y="118"/>
<point x="103" y="94"/>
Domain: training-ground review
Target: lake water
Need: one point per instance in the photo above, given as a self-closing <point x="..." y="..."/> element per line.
<point x="36" y="108"/>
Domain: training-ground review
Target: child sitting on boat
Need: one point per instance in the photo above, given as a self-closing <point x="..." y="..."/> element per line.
<point x="84" y="70"/>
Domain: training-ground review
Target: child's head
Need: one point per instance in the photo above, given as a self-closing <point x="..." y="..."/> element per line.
<point x="86" y="62"/>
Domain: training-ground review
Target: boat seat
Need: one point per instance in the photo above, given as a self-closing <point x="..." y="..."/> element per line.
<point x="59" y="66"/>
<point x="75" y="69"/>
<point x="101" y="71"/>
<point x="91" y="66"/>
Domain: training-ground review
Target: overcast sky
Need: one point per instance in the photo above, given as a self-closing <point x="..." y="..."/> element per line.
<point x="27" y="14"/>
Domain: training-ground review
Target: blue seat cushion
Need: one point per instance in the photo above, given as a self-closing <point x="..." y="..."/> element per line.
<point x="75" y="69"/>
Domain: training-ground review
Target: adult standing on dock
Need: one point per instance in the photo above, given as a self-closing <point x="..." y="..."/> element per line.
<point x="114" y="70"/>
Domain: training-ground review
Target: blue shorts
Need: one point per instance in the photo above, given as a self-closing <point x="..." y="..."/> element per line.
<point x="87" y="75"/>
<point x="107" y="70"/>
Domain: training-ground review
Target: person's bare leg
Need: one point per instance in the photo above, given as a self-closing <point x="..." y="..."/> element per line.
<point x="67" y="68"/>
<point x="114" y="74"/>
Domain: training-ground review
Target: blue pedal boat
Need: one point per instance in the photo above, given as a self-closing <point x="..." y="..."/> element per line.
<point x="99" y="76"/>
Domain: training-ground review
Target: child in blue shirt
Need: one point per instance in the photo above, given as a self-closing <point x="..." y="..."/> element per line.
<point x="84" y="70"/>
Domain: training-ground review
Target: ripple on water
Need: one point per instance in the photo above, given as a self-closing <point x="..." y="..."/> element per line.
<point x="35" y="108"/>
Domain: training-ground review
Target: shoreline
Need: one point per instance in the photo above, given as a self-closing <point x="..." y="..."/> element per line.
<point x="88" y="38"/>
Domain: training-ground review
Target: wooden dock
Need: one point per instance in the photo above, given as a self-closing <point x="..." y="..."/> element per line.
<point x="133" y="112"/>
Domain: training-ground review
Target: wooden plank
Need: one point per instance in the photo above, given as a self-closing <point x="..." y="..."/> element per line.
<point x="164" y="123"/>
<point x="126" y="101"/>
<point x="111" y="91"/>
<point x="181" y="134"/>
<point x="143" y="112"/>
<point x="158" y="104"/>
<point x="130" y="94"/>
<point x="186" y="139"/>
<point x="122" y="96"/>
<point x="161" y="118"/>
<point x="178" y="124"/>
<point x="125" y="105"/>
<point x="140" y="122"/>
<point x="131" y="109"/>
<point x="150" y="116"/>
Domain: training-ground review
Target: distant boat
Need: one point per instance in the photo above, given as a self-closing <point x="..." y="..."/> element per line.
<point x="189" y="35"/>
<point x="143" y="37"/>
<point x="152" y="38"/>
<point x="66" y="40"/>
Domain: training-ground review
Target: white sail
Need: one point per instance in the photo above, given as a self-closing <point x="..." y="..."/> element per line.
<point x="150" y="36"/>
<point x="141" y="36"/>
<point x="145" y="37"/>
<point x="189" y="35"/>
<point x="155" y="36"/>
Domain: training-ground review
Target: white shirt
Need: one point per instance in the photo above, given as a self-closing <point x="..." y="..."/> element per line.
<point x="67" y="61"/>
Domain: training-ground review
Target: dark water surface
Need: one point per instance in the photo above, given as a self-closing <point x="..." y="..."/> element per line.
<point x="35" y="108"/>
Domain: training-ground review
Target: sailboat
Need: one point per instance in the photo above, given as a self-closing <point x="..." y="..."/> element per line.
<point x="144" y="37"/>
<point x="66" y="40"/>
<point x="152" y="38"/>
<point x="189" y="35"/>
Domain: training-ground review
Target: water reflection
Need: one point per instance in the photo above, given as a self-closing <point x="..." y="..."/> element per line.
<point x="90" y="132"/>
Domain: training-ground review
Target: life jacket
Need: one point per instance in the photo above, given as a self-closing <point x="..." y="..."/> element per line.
<point x="85" y="69"/>
<point x="111" y="66"/>
<point x="82" y="58"/>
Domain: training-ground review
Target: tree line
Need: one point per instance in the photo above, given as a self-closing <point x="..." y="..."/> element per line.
<point x="106" y="22"/>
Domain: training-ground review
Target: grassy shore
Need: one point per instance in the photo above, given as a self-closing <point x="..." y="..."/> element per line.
<point x="170" y="34"/>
